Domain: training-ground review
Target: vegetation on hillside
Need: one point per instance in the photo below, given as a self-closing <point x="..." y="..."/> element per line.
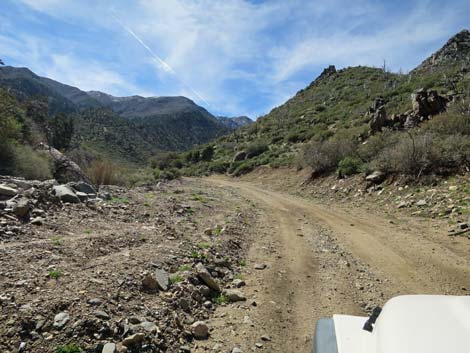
<point x="325" y="126"/>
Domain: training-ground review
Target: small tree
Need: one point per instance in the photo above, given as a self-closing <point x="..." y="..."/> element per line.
<point x="207" y="153"/>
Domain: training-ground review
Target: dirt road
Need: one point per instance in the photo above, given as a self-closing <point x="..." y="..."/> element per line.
<point x="321" y="261"/>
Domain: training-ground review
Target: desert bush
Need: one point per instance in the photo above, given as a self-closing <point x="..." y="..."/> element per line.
<point x="411" y="155"/>
<point x="31" y="164"/>
<point x="449" y="124"/>
<point x="348" y="166"/>
<point x="164" y="160"/>
<point x="102" y="172"/>
<point x="255" y="149"/>
<point x="219" y="167"/>
<point x="240" y="168"/>
<point x="167" y="174"/>
<point x="323" y="157"/>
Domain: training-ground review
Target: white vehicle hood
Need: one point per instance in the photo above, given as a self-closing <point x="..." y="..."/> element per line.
<point x="410" y="324"/>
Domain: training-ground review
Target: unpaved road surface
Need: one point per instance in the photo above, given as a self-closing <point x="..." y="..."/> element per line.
<point x="321" y="261"/>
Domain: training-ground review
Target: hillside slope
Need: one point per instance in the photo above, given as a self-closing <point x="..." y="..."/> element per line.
<point x="333" y="117"/>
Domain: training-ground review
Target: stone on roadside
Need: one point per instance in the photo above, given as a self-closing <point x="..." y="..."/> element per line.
<point x="237" y="350"/>
<point x="109" y="348"/>
<point x="102" y="315"/>
<point x="133" y="339"/>
<point x="82" y="196"/>
<point x="61" y="319"/>
<point x="162" y="278"/>
<point x="238" y="283"/>
<point x="7" y="191"/>
<point x="200" y="330"/>
<point x="65" y="194"/>
<point x="82" y="187"/>
<point x="21" y="207"/>
<point x="158" y="280"/>
<point x="38" y="221"/>
<point x="260" y="266"/>
<point x="234" y="295"/>
<point x="206" y="277"/>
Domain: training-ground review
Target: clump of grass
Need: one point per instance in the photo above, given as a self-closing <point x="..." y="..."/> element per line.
<point x="55" y="274"/>
<point x="176" y="279"/>
<point x="198" y="197"/>
<point x="203" y="246"/>
<point x="184" y="268"/>
<point x="239" y="276"/>
<point x="242" y="263"/>
<point x="221" y="299"/>
<point x="56" y="241"/>
<point x="218" y="230"/>
<point x="69" y="348"/>
<point x="120" y="200"/>
<point x="198" y="255"/>
<point x="88" y="231"/>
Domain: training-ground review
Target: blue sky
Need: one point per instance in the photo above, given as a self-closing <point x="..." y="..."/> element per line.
<point x="234" y="57"/>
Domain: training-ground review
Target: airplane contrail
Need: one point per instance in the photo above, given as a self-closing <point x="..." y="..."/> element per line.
<point x="164" y="65"/>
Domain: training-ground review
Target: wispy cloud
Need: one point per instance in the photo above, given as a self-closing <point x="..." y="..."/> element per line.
<point x="242" y="56"/>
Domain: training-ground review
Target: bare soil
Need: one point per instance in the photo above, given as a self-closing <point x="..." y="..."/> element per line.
<point x="301" y="257"/>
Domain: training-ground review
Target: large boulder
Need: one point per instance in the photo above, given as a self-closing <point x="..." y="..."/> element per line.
<point x="428" y="103"/>
<point x="65" y="170"/>
<point x="65" y="194"/>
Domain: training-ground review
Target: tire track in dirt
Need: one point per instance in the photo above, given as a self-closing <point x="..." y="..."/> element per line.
<point x="293" y="293"/>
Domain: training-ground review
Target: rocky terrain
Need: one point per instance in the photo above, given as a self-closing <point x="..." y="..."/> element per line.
<point x="214" y="265"/>
<point x="121" y="270"/>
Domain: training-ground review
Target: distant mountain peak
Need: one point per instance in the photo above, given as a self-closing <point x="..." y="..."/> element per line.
<point x="235" y="122"/>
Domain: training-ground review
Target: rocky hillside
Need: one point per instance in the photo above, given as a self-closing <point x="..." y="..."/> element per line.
<point x="361" y="115"/>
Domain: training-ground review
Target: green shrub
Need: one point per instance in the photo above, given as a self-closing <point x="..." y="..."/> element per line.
<point x="55" y="274"/>
<point x="348" y="166"/>
<point x="31" y="164"/>
<point x="255" y="149"/>
<point x="219" y="167"/>
<point x="69" y="348"/>
<point x="221" y="299"/>
<point x="176" y="279"/>
<point x="207" y="153"/>
<point x="323" y="157"/>
<point x="243" y="168"/>
<point x="168" y="174"/>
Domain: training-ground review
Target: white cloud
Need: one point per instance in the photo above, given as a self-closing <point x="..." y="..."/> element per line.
<point x="87" y="75"/>
<point x="234" y="51"/>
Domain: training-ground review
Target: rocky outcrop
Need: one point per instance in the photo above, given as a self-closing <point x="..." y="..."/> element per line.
<point x="427" y="103"/>
<point x="378" y="115"/>
<point x="65" y="170"/>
